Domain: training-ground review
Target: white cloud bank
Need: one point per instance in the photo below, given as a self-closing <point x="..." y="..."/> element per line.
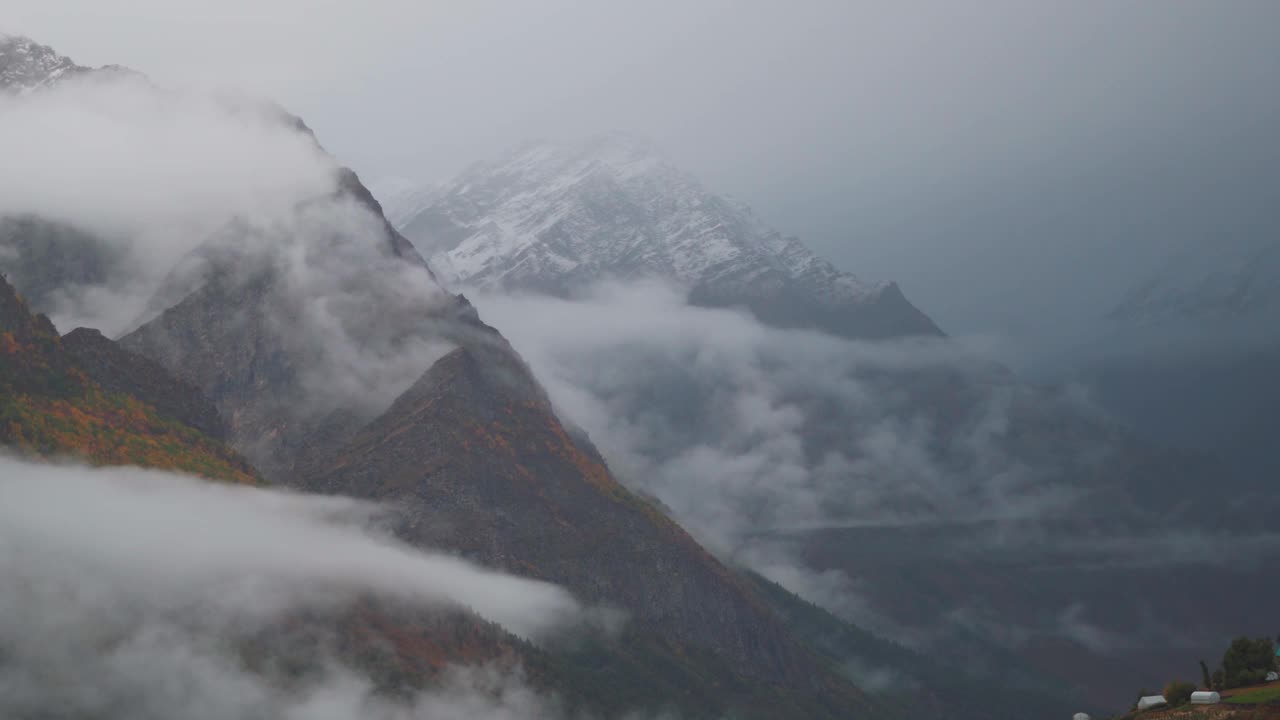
<point x="756" y="438"/>
<point x="115" y="153"/>
<point x="742" y="428"/>
<point x="150" y="174"/>
<point x="172" y="183"/>
<point x="174" y="542"/>
<point x="124" y="590"/>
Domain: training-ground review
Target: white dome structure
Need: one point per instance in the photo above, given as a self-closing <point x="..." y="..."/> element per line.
<point x="1151" y="701"/>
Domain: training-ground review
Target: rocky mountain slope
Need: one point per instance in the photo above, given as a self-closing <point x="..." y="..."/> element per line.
<point x="556" y="218"/>
<point x="340" y="365"/>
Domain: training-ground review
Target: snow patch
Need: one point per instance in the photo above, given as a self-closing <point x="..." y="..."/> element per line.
<point x="549" y="213"/>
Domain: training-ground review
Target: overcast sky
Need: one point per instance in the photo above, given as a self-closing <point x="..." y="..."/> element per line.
<point x="1014" y="165"/>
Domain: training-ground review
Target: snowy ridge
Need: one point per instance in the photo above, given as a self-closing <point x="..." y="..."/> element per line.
<point x="553" y="217"/>
<point x="26" y="65"/>
<point x="610" y="206"/>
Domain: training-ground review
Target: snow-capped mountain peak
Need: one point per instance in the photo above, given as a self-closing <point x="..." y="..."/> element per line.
<point x="26" y="65"/>
<point x="553" y="217"/>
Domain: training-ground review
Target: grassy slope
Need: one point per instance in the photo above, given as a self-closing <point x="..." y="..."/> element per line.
<point x="1260" y="696"/>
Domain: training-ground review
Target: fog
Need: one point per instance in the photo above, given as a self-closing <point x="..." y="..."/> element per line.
<point x="847" y="471"/>
<point x="1015" y="169"/>
<point x="173" y="543"/>
<point x="1018" y="171"/>
<point x="179" y="185"/>
<point x="750" y="434"/>
<point x="746" y="429"/>
<point x="127" y="592"/>
<point x="117" y="156"/>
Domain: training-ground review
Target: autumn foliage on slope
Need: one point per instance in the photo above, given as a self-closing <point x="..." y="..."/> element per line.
<point x="50" y="407"/>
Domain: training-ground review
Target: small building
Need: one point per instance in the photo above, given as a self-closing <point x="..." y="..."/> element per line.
<point x="1205" y="697"/>
<point x="1151" y="701"/>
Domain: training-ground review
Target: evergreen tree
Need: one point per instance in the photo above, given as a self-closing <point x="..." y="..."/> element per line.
<point x="1248" y="661"/>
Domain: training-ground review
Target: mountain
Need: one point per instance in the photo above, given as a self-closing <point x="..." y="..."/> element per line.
<point x="312" y="335"/>
<point x="556" y="218"/>
<point x="83" y="396"/>
<point x="984" y="523"/>
<point x="474" y="455"/>
<point x="999" y="526"/>
<point x="337" y="363"/>
<point x="26" y="65"/>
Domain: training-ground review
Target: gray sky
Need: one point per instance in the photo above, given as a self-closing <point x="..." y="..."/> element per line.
<point x="1012" y="164"/>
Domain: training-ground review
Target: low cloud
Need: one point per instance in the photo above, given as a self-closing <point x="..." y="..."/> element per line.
<point x="125" y="591"/>
<point x="756" y="437"/>
<point x="356" y="318"/>
<point x="177" y="186"/>
<point x="150" y="167"/>
<point x="168" y="542"/>
<point x="743" y="429"/>
<point x="153" y="173"/>
<point x="812" y="459"/>
<point x="149" y="175"/>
